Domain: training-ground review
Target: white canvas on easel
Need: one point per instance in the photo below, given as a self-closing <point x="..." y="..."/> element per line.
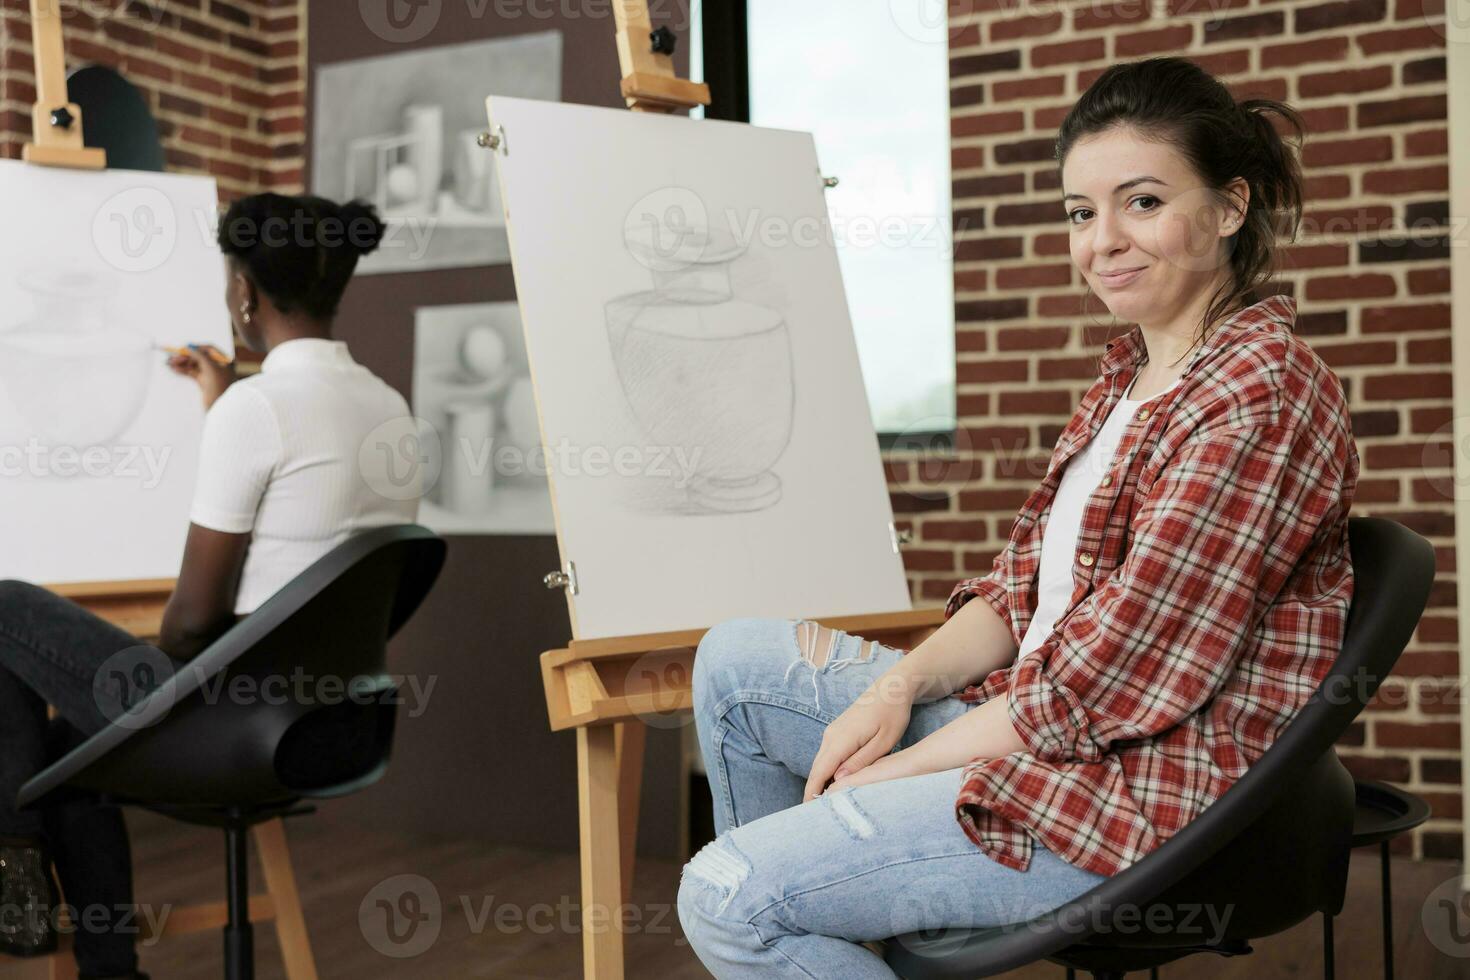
<point x="711" y="447"/>
<point x="98" y="438"/>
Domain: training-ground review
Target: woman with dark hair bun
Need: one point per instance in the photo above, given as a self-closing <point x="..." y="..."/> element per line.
<point x="1171" y="594"/>
<point x="299" y="251"/>
<point x="287" y="470"/>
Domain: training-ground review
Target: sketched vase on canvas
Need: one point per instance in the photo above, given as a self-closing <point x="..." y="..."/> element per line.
<point x="75" y="376"/>
<point x="705" y="374"/>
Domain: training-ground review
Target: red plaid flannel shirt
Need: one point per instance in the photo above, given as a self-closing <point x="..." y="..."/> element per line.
<point x="1212" y="585"/>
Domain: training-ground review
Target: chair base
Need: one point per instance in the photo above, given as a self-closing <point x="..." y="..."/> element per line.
<point x="235" y="917"/>
<point x="239" y="933"/>
<point x="239" y="936"/>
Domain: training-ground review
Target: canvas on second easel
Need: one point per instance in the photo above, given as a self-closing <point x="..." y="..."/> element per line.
<point x="710" y="442"/>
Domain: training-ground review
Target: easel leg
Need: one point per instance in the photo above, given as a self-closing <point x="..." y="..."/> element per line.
<point x="600" y="813"/>
<point x="280" y="881"/>
<point x="631" y="738"/>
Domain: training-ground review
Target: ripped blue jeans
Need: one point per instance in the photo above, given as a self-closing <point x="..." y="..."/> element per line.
<point x="792" y="889"/>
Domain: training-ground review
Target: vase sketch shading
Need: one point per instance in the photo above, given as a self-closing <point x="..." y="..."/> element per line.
<point x="703" y="371"/>
<point x="401" y="131"/>
<point x="70" y="345"/>
<point x="477" y="422"/>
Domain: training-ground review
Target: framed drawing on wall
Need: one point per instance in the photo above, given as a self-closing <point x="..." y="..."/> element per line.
<point x="400" y="131"/>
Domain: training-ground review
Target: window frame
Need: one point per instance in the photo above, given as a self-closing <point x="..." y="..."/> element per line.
<point x="726" y="41"/>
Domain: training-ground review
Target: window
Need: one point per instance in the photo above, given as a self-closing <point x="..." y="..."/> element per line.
<point x="874" y="92"/>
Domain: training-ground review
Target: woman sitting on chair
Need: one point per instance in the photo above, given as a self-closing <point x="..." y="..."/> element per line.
<point x="1171" y="594"/>
<point x="281" y="482"/>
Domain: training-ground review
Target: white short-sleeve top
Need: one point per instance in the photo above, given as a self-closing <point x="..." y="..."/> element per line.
<point x="302" y="456"/>
<point x="1079" y="481"/>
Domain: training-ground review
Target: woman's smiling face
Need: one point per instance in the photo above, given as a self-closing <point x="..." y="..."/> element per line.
<point x="1137" y="208"/>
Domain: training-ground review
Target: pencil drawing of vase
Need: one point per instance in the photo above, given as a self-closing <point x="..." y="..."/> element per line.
<point x="709" y="377"/>
<point x="73" y="374"/>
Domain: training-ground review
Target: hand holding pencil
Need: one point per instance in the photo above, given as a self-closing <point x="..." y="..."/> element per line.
<point x="214" y="353"/>
<point x="207" y="365"/>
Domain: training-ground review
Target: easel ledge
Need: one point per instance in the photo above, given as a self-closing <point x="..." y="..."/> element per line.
<point x="135" y="606"/>
<point x="587" y="681"/>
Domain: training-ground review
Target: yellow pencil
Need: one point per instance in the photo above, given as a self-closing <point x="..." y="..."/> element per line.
<point x="216" y="356"/>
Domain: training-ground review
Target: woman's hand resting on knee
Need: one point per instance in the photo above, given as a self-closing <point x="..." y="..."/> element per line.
<point x="983" y="732"/>
<point x="869" y="728"/>
<point x="856" y="746"/>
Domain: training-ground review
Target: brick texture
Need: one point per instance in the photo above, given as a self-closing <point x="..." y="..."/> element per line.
<point x="226" y="80"/>
<point x="1369" y="271"/>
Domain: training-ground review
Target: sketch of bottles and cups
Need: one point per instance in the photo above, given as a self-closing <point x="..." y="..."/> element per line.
<point x="72" y="373"/>
<point x="412" y="174"/>
<point x="704" y="372"/>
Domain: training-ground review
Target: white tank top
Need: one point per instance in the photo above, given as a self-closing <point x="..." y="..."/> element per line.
<point x="1059" y="542"/>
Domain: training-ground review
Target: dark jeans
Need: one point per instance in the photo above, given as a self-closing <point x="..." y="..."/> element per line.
<point x="52" y="651"/>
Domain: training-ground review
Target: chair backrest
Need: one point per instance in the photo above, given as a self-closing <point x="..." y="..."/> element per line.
<point x="292" y="701"/>
<point x="1393" y="569"/>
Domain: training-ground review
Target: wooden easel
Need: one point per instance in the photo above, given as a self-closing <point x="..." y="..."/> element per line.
<point x="56" y="124"/>
<point x="646" y="58"/>
<point x="56" y="130"/>
<point x="137" y="606"/>
<point x="604" y="689"/>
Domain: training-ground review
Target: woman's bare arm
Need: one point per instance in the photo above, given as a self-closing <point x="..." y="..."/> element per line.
<point x="963" y="651"/>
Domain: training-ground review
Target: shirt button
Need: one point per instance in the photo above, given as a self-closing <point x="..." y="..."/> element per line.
<point x="1085" y="558"/>
<point x="1106" y="481"/>
<point x="1142" y="414"/>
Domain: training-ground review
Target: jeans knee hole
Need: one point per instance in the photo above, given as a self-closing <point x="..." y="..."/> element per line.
<point x="719" y="866"/>
<point x="850" y="816"/>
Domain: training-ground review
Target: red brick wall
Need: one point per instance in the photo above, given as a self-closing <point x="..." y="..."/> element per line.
<point x="225" y="80"/>
<point x="1370" y="273"/>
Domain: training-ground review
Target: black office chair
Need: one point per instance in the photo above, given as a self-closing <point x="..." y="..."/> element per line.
<point x="1273" y="849"/>
<point x="192" y="750"/>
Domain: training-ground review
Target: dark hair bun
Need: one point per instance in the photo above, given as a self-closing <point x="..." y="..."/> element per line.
<point x="300" y="250"/>
<point x="364" y="229"/>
